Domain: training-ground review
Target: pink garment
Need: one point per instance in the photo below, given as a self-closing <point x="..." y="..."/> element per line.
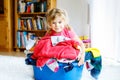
<point x="67" y="33"/>
<point x="44" y="50"/>
<point x="53" y="65"/>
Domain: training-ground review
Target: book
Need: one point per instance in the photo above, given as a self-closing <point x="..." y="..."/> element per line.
<point x="22" y="24"/>
<point x="28" y="7"/>
<point x="39" y="23"/>
<point x="45" y="23"/>
<point x="22" y="6"/>
<point x="19" y="24"/>
<point x="25" y="38"/>
<point x="36" y="6"/>
<point x="29" y="24"/>
<point x="22" y="40"/>
<point x="25" y="24"/>
<point x="34" y="24"/>
<point x="45" y="6"/>
<point x="18" y="39"/>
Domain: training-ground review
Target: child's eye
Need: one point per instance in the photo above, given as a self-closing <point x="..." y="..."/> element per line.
<point x="53" y="22"/>
<point x="60" y="22"/>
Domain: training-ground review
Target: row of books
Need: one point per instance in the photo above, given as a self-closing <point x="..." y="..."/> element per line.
<point x="24" y="37"/>
<point x="33" y="6"/>
<point x="32" y="23"/>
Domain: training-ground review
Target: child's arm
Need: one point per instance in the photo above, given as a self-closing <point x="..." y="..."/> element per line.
<point x="81" y="56"/>
<point x="82" y="51"/>
<point x="74" y="36"/>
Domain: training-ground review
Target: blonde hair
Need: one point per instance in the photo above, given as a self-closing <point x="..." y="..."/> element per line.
<point x="54" y="13"/>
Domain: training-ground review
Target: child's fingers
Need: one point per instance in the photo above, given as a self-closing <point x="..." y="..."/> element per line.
<point x="81" y="62"/>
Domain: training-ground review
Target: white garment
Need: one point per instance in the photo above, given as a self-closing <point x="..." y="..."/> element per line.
<point x="57" y="39"/>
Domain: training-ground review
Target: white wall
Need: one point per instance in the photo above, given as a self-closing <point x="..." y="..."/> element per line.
<point x="105" y="27"/>
<point x="117" y="28"/>
<point x="77" y="12"/>
<point x="102" y="22"/>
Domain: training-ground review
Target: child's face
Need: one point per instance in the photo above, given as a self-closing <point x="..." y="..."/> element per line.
<point x="57" y="24"/>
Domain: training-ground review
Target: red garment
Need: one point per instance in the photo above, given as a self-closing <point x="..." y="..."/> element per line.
<point x="44" y="50"/>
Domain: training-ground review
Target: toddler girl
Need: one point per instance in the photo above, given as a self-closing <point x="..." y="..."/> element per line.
<point x="57" y="20"/>
<point x="60" y="41"/>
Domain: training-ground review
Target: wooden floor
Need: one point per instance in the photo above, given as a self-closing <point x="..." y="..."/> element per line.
<point x="19" y="54"/>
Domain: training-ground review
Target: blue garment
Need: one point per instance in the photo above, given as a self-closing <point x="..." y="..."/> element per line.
<point x="96" y="62"/>
<point x="29" y="60"/>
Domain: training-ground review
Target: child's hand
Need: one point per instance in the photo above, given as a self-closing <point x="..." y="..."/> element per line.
<point x="81" y="55"/>
<point x="77" y="46"/>
<point x="81" y="61"/>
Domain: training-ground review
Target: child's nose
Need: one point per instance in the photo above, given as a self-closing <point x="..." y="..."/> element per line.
<point x="57" y="24"/>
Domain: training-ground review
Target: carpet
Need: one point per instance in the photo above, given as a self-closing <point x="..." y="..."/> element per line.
<point x="14" y="68"/>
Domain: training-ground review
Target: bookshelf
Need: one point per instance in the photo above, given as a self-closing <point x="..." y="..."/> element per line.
<point x="30" y="19"/>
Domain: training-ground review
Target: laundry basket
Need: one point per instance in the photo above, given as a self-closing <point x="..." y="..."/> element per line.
<point x="46" y="74"/>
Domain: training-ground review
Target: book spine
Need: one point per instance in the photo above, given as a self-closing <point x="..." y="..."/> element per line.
<point x="19" y="24"/>
<point x="25" y="38"/>
<point x="39" y="23"/>
<point x="18" y="39"/>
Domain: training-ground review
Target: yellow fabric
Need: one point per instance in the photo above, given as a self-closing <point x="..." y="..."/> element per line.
<point x="95" y="52"/>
